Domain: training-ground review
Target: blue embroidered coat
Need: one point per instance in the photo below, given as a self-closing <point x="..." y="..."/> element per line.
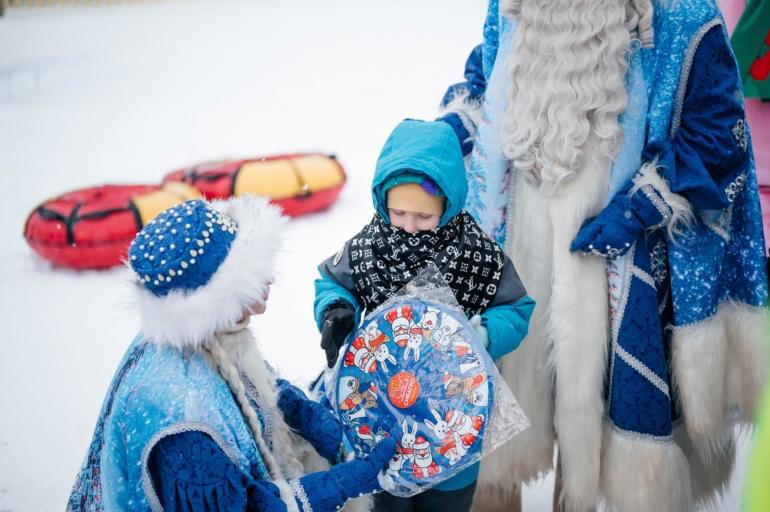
<point x="685" y="109"/>
<point x="155" y="393"/>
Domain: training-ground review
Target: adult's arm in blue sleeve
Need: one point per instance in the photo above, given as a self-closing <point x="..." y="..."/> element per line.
<point x="708" y="158"/>
<point x="461" y="105"/>
<point x="316" y="424"/>
<point x="190" y="473"/>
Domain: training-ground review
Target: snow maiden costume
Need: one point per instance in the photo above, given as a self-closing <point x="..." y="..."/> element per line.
<point x="638" y="128"/>
<point x="190" y="419"/>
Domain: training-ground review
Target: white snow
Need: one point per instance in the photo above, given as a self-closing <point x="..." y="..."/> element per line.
<point x="127" y="93"/>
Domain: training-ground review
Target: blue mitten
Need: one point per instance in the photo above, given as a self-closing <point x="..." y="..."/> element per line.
<point x="329" y="490"/>
<point x="312" y="420"/>
<point x="611" y="233"/>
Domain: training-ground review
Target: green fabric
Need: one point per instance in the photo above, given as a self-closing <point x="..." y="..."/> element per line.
<point x="748" y="42"/>
<point x="756" y="487"/>
<point x="430" y="148"/>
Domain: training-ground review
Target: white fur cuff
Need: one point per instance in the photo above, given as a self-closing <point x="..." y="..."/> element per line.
<point x="681" y="210"/>
<point x="468" y="110"/>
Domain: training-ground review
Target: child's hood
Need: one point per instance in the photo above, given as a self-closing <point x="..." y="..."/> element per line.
<point x="431" y="148"/>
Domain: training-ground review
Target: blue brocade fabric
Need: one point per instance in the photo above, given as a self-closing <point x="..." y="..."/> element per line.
<point x="638" y="398"/>
<point x="708" y="155"/>
<point x="191" y="473"/>
<point x="312" y="420"/>
<point x="474" y="86"/>
<point x="474" y="79"/>
<point x="157" y="392"/>
<point x="706" y="159"/>
<point x="722" y="256"/>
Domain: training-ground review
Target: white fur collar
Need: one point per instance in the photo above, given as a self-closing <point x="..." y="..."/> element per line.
<point x="186" y="319"/>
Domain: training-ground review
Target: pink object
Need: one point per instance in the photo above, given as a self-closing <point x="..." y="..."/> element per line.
<point x="731" y="10"/>
<point x="758" y="118"/>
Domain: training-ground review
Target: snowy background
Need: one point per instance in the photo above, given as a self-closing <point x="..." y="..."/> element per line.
<point x="125" y="94"/>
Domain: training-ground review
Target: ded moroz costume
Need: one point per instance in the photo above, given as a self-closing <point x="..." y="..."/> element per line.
<point x="612" y="158"/>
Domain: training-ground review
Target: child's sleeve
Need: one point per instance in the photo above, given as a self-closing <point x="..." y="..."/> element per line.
<point x="335" y="287"/>
<point x="507" y="317"/>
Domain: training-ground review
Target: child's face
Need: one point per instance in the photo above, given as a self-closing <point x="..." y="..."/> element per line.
<point x="413" y="221"/>
<point x="258" y="307"/>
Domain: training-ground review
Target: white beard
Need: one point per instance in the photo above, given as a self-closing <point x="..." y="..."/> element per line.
<point x="567" y="68"/>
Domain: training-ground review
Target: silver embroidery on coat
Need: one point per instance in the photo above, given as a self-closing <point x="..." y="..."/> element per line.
<point x="299" y="492"/>
<point x="741" y="135"/>
<point x="735" y="187"/>
<point x="642" y="368"/>
<point x="658" y="262"/>
<point x="637" y="436"/>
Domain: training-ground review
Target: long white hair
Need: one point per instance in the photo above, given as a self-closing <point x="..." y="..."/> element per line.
<point x="567" y="70"/>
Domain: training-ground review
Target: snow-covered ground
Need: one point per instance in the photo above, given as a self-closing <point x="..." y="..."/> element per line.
<point x="124" y="94"/>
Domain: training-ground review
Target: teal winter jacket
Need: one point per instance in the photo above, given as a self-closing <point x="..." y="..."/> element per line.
<point x="432" y="149"/>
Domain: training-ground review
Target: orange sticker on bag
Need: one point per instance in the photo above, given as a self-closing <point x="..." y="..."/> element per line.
<point x="403" y="390"/>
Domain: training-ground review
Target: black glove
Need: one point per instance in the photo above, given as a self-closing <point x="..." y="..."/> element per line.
<point x="336" y="325"/>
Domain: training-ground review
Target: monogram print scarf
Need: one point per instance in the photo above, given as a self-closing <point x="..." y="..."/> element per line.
<point x="383" y="258"/>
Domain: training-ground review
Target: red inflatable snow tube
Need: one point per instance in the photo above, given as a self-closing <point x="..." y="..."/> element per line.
<point x="92" y="228"/>
<point x="298" y="183"/>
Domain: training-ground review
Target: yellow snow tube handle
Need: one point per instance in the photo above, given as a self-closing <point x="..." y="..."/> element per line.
<point x="173" y="193"/>
<point x="288" y="177"/>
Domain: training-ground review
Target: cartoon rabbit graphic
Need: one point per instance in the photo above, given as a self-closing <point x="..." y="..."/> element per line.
<point x="440" y="428"/>
<point x="413" y="344"/>
<point x="407" y="441"/>
<point x="383" y="355"/>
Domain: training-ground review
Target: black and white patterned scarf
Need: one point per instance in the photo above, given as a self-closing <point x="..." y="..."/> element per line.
<point x="384" y="258"/>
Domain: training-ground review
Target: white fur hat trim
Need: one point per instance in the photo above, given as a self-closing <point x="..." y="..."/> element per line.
<point x="185" y="319"/>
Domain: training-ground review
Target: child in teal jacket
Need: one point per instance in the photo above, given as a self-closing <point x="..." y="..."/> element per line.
<point x="419" y="190"/>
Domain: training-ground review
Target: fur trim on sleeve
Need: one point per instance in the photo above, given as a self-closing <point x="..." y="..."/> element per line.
<point x="185" y="319"/>
<point x="467" y="109"/>
<point x="682" y="216"/>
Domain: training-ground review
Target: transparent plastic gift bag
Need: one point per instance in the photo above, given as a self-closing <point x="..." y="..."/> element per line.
<point x="416" y="370"/>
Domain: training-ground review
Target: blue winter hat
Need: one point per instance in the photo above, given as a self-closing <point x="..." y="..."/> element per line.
<point x="215" y="260"/>
<point x="182" y="247"/>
